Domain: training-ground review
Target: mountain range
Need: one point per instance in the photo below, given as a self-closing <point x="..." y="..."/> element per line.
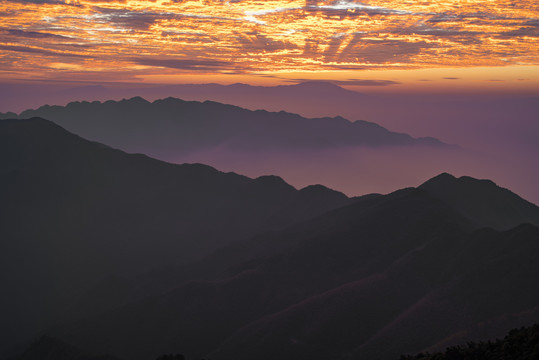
<point x="122" y="254"/>
<point x="452" y="117"/>
<point x="317" y="146"/>
<point x="172" y="127"/>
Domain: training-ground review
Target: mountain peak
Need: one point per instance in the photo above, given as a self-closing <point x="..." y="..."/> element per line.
<point x="273" y="180"/>
<point x="441" y="179"/>
<point x="35" y="123"/>
<point x="136" y="100"/>
<point x="482" y="201"/>
<point x="240" y="85"/>
<point x="322" y="191"/>
<point x="446" y="179"/>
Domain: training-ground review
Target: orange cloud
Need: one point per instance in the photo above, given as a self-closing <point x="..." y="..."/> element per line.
<point x="264" y="37"/>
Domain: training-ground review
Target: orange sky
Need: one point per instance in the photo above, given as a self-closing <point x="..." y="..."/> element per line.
<point x="489" y="44"/>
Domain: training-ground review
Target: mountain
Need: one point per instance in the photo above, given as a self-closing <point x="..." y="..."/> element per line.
<point x="122" y="254"/>
<point x="173" y="127"/>
<point x="482" y="201"/>
<point x="74" y="212"/>
<point x="293" y="97"/>
<point x="495" y="129"/>
<point x="386" y="275"/>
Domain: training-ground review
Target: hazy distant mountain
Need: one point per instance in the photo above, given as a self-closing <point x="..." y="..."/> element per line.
<point x="75" y="211"/>
<point x="172" y="126"/>
<point x="313" y="95"/>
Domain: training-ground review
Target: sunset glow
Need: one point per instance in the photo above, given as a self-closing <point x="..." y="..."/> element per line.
<point x="157" y="41"/>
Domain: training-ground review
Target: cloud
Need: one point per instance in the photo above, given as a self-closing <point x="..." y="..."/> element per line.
<point x="32" y="34"/>
<point x="381" y="51"/>
<point x="351" y="8"/>
<point x="530" y="31"/>
<point x="340" y="8"/>
<point x="136" y="20"/>
<point x="367" y="82"/>
<point x="142" y="20"/>
<point x="260" y="42"/>
<point x="354" y="82"/>
<point x="47" y="2"/>
<point x="433" y="31"/>
<point x="346" y="66"/>
<point x="188" y="36"/>
<point x="449" y="17"/>
<point x="185" y="64"/>
<point x="307" y="35"/>
<point x="25" y="49"/>
<point x="332" y="51"/>
<point x="451" y="78"/>
<point x="270" y="11"/>
<point x="253" y="19"/>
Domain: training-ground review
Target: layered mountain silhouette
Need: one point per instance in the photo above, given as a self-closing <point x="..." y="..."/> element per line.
<point x="96" y="242"/>
<point x="169" y="127"/>
<point x="388" y="275"/>
<point x="477" y="121"/>
<point x="74" y="211"/>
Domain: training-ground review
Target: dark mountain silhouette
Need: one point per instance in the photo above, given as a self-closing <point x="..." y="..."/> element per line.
<point x="482" y="201"/>
<point x="276" y="273"/>
<point x="172" y="126"/>
<point x="387" y="275"/>
<point x="522" y="343"/>
<point x="75" y="211"/>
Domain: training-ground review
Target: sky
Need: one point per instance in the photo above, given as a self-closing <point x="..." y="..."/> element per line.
<point x="487" y="44"/>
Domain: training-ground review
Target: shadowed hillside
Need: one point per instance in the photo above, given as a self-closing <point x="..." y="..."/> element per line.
<point x="389" y="275"/>
<point x="75" y="211"/>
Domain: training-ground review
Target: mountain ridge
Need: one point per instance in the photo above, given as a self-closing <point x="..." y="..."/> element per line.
<point x="171" y="125"/>
<point x="475" y="198"/>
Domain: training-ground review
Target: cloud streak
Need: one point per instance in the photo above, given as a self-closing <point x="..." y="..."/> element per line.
<point x="32" y="34"/>
<point x="32" y="50"/>
<point x="185" y="64"/>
